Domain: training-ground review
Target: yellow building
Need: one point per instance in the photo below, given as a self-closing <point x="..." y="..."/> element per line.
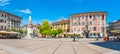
<point x="62" y="24"/>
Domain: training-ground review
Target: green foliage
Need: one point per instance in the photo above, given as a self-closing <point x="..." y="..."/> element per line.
<point x="25" y="32"/>
<point x="13" y="30"/>
<point x="60" y="31"/>
<point x="56" y="32"/>
<point x="38" y="24"/>
<point x="20" y="31"/>
<point x="45" y="28"/>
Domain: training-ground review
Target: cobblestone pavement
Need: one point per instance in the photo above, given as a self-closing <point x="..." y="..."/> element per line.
<point x="51" y="46"/>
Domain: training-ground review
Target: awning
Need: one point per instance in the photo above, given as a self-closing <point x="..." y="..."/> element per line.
<point x="8" y="32"/>
<point x="4" y="32"/>
<point x="14" y="32"/>
<point x="115" y="31"/>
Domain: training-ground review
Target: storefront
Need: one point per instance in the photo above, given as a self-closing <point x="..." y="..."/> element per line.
<point x="8" y="34"/>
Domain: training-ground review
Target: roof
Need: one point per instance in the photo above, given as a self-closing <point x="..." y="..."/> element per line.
<point x="89" y="12"/>
<point x="62" y="21"/>
<point x="34" y="25"/>
<point x="118" y="21"/>
<point x="10" y="14"/>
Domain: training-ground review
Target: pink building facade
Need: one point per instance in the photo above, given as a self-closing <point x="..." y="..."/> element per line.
<point x="95" y="22"/>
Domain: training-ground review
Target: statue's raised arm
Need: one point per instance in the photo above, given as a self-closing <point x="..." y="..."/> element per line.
<point x="30" y="20"/>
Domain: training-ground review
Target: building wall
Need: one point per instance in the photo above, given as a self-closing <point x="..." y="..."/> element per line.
<point x="34" y="27"/>
<point x="96" y="22"/>
<point x="64" y="27"/>
<point x="115" y="25"/>
<point x="9" y="21"/>
<point x="63" y="24"/>
<point x="3" y="21"/>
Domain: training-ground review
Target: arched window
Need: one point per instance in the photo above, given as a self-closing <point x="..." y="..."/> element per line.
<point x="102" y="17"/>
<point x="2" y="15"/>
<point x="1" y="27"/>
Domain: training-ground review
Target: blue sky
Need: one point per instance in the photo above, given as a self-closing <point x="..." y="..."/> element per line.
<point x="53" y="10"/>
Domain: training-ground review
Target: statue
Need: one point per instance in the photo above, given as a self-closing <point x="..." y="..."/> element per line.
<point x="86" y="31"/>
<point x="29" y="29"/>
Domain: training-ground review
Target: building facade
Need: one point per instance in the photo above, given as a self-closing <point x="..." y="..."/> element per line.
<point x="34" y="27"/>
<point x="94" y="22"/>
<point x="62" y="24"/>
<point x="9" y="21"/>
<point x="114" y="25"/>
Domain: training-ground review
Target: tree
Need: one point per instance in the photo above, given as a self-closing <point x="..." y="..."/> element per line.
<point x="45" y="28"/>
<point x="56" y="32"/>
<point x="26" y="32"/>
<point x="20" y="31"/>
<point x="60" y="31"/>
<point x="38" y="24"/>
<point x="13" y="30"/>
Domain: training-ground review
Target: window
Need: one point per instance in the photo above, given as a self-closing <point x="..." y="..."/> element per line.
<point x="82" y="23"/>
<point x="86" y="17"/>
<point x="94" y="28"/>
<point x="75" y="23"/>
<point x="78" y="17"/>
<point x="5" y="16"/>
<point x="90" y="23"/>
<point x="87" y="23"/>
<point x="71" y="19"/>
<point x="94" y="16"/>
<point x="103" y="28"/>
<point x="98" y="16"/>
<point x="5" y="21"/>
<point x="1" y="27"/>
<point x="2" y="15"/>
<point x="5" y="27"/>
<point x="74" y="18"/>
<point x="103" y="22"/>
<point x="78" y="23"/>
<point x="90" y="16"/>
<point x="72" y="24"/>
<point x="94" y="34"/>
<point x="82" y="17"/>
<point x="102" y="17"/>
<point x="98" y="23"/>
<point x="64" y="23"/>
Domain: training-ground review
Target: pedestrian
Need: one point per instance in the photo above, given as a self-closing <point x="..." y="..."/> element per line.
<point x="74" y="37"/>
<point x="105" y="38"/>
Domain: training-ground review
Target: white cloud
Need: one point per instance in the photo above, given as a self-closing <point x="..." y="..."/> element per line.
<point x="114" y="20"/>
<point x="27" y="11"/>
<point x="4" y="2"/>
<point x="61" y="18"/>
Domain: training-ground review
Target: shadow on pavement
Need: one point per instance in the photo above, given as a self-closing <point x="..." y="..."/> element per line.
<point x="110" y="45"/>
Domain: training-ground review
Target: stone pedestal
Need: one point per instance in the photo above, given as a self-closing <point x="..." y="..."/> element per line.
<point x="29" y="30"/>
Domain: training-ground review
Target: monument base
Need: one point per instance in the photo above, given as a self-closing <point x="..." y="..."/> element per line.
<point x="28" y="37"/>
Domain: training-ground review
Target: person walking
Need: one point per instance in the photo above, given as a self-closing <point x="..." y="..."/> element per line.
<point x="105" y="38"/>
<point x="74" y="37"/>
